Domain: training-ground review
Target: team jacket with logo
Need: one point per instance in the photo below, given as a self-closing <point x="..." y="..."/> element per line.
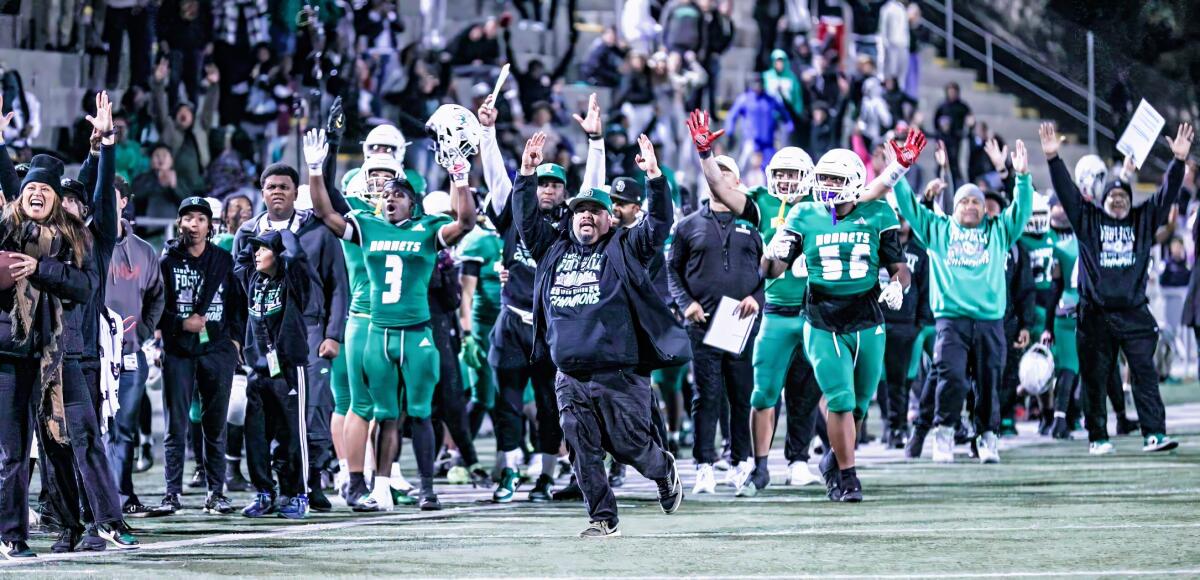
<point x="714" y="255"/>
<point x="203" y="285"/>
<point x="276" y="307"/>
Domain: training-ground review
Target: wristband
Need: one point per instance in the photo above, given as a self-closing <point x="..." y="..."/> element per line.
<point x="314" y="169"/>
<point x="595" y="136"/>
<point x="705" y="154"/>
<point x="108" y="133"/>
<point x="893" y="174"/>
<point x="466" y="333"/>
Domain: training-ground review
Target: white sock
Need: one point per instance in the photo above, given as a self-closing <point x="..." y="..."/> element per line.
<point x="549" y="464"/>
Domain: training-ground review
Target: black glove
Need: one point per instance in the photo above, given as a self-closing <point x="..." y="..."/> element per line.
<point x="336" y="126"/>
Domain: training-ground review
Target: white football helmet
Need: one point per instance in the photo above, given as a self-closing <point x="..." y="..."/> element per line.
<point x="790" y="189"/>
<point x="385" y="136"/>
<point x="848" y="177"/>
<point x="1039" y="220"/>
<point x="1090" y="175"/>
<point x="372" y="187"/>
<point x="1036" y="370"/>
<point x="455" y="133"/>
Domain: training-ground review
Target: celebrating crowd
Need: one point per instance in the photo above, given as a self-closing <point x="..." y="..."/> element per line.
<point x="567" y="302"/>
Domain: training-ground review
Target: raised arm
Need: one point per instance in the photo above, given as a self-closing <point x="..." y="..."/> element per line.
<point x="918" y="216"/>
<point x="703" y="138"/>
<point x="649" y="235"/>
<point x="334" y="129"/>
<point x="1017" y="214"/>
<point x="901" y="157"/>
<point x="495" y="175"/>
<point x="535" y="232"/>
<point x="464" y="205"/>
<point x="104" y="197"/>
<point x="9" y="182"/>
<point x="162" y="116"/>
<point x="315" y="150"/>
<point x="1060" y="176"/>
<point x="1168" y="192"/>
<point x="593" y="127"/>
<point x="208" y="109"/>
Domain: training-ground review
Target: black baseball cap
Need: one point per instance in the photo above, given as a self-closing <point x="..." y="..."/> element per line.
<point x="627" y="190"/>
<point x="195" y="203"/>
<point x="73" y="188"/>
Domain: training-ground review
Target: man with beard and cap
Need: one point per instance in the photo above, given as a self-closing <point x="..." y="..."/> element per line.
<point x="1113" y="315"/>
<point x="325" y="314"/>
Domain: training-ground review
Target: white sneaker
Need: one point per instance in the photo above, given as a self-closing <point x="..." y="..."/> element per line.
<point x="1101" y="448"/>
<point x="398" y="481"/>
<point x="988" y="445"/>
<point x="706" y="481"/>
<point x="799" y="475"/>
<point x="381" y="492"/>
<point x="741" y="475"/>
<point x="943" y="445"/>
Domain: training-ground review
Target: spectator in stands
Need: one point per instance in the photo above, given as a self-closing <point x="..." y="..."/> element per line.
<point x="158" y="191"/>
<point x="602" y="67"/>
<point x="682" y="26"/>
<point x="638" y="27"/>
<point x="135" y="107"/>
<point x="128" y="18"/>
<point x="26" y="124"/>
<point x="912" y="77"/>
<point x="55" y="23"/>
<point x="619" y="153"/>
<point x="822" y="137"/>
<point x="477" y="44"/>
<point x="131" y="159"/>
<point x="781" y="82"/>
<point x="764" y="116"/>
<point x="899" y="102"/>
<point x="864" y="69"/>
<point x="534" y="82"/>
<point x="184" y="132"/>
<point x="767" y="14"/>
<point x="952" y="118"/>
<point x="185" y="36"/>
<point x="238" y="25"/>
<point x="978" y="162"/>
<point x="893" y="39"/>
<point x="541" y="117"/>
<point x="875" y="117"/>
<point x="797" y="24"/>
<point x="718" y="31"/>
<point x="81" y="129"/>
<point x="636" y="95"/>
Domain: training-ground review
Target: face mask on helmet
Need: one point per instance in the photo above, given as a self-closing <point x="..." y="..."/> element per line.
<point x="455" y="133"/>
<point x="377" y="173"/>
<point x="1090" y="176"/>
<point x="385" y="141"/>
<point x="789" y="174"/>
<point x="1036" y="370"/>
<point x="1039" y="223"/>
<point x="838" y="178"/>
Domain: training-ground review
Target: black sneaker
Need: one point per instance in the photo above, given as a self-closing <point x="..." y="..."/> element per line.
<point x="915" y="444"/>
<point x="169" y="505"/>
<point x="832" y="475"/>
<point x="896" y="437"/>
<point x="68" y="541"/>
<point x="571" y="492"/>
<point x="16" y="550"/>
<point x="616" y="475"/>
<point x="318" y="502"/>
<point x="91" y="541"/>
<point x="234" y="481"/>
<point x="1061" y="429"/>
<point x="851" y="489"/>
<point x="670" y="490"/>
<point x="541" y="492"/>
<point x="134" y="508"/>
<point x="1126" y="426"/>
<point x="480" y="478"/>
<point x="217" y="503"/>
<point x="119" y="534"/>
<point x="429" y="501"/>
<point x="198" y="479"/>
<point x="599" y="530"/>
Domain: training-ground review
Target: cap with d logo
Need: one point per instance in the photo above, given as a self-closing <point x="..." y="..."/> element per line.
<point x="594" y="195"/>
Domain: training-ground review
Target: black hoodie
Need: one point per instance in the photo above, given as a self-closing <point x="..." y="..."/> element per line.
<point x="276" y="304"/>
<point x="200" y="285"/>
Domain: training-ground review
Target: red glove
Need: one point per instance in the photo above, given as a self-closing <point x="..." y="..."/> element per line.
<point x="908" y="153"/>
<point x="698" y="126"/>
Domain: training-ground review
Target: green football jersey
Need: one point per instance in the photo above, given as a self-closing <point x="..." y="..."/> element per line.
<point x="223" y="241"/>
<point x="788" y="289"/>
<point x="1066" y="252"/>
<point x="484" y="246"/>
<point x="356" y="267"/>
<point x="1041" y="257"/>
<point x="400" y="259"/>
<point x="843" y="257"/>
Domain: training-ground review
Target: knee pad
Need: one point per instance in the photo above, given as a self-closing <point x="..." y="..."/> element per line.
<point x="237" y="401"/>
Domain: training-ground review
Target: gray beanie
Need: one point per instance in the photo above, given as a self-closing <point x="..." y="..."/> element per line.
<point x="968" y="190"/>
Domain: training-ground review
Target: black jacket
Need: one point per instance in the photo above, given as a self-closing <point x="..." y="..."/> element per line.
<point x="289" y="291"/>
<point x="709" y="260"/>
<point x="662" y="341"/>
<point x="1115" y="254"/>
<point x="203" y="285"/>
<point x="915" y="308"/>
<point x="98" y="176"/>
<point x="1022" y="293"/>
<point x="328" y="305"/>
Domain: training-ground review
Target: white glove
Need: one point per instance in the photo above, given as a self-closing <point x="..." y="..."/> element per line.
<point x="781" y="246"/>
<point x="460" y="172"/>
<point x="315" y="150"/>
<point x="893" y="295"/>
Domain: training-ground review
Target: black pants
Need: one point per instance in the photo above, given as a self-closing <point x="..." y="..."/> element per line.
<point x="211" y="376"/>
<point x="77" y="474"/>
<point x="136" y="23"/>
<point x="893" y="390"/>
<point x="449" y="400"/>
<point x="17" y="385"/>
<point x="273" y="407"/>
<point x="1102" y="334"/>
<point x="801" y="397"/>
<point x="511" y="349"/>
<point x="608" y="412"/>
<point x="983" y="342"/>
<point x="926" y="387"/>
<point x="123" y="436"/>
<point x="718" y="375"/>
<point x="1012" y="365"/>
<point x="320" y="402"/>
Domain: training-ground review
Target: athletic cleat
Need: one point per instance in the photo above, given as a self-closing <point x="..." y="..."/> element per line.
<point x="217" y="503"/>
<point x="851" y="490"/>
<point x="403" y="497"/>
<point x="799" y="475"/>
<point x="943" y="444"/>
<point x="742" y="473"/>
<point x="234" y="481"/>
<point x="119" y="534"/>
<point x="1159" y="442"/>
<point x="68" y="541"/>
<point x="1125" y="425"/>
<point x="541" y="489"/>
<point x="600" y="530"/>
<point x="295" y="508"/>
<point x="458" y="475"/>
<point x="198" y="479"/>
<point x="317" y="501"/>
<point x="670" y="490"/>
<point x="134" y="508"/>
<point x="366" y="504"/>
<point x="916" y="443"/>
<point x="1008" y="428"/>
<point x="169" y="505"/>
<point x="429" y="501"/>
<point x="17" y="550"/>
<point x="262" y="506"/>
<point x="896" y="438"/>
<point x="145" y="460"/>
<point x="706" y="480"/>
<point x="759" y="480"/>
<point x="832" y="475"/>
<point x="1102" y="447"/>
<point x="571" y="492"/>
<point x="989" y="447"/>
<point x="616" y="475"/>
<point x="507" y="488"/>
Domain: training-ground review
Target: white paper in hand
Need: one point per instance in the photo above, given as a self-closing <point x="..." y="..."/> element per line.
<point x="728" y="331"/>
<point x="1143" y="130"/>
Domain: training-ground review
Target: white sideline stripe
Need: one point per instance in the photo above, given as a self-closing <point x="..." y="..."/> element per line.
<point x="1066" y="574"/>
<point x="274" y="533"/>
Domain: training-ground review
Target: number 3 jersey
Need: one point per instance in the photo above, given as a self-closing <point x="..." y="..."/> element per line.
<point x="400" y="259"/>
<point x="843" y="260"/>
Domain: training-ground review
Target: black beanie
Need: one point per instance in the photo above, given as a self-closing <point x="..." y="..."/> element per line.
<point x="45" y="169"/>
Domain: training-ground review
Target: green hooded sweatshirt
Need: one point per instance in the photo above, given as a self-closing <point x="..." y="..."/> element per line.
<point x="783" y="85"/>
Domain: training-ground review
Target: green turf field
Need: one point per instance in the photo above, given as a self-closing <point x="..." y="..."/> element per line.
<point x="1048" y="510"/>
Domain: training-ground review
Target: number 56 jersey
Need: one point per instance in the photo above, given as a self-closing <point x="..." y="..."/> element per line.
<point x="844" y="257"/>
<point x="400" y="259"/>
